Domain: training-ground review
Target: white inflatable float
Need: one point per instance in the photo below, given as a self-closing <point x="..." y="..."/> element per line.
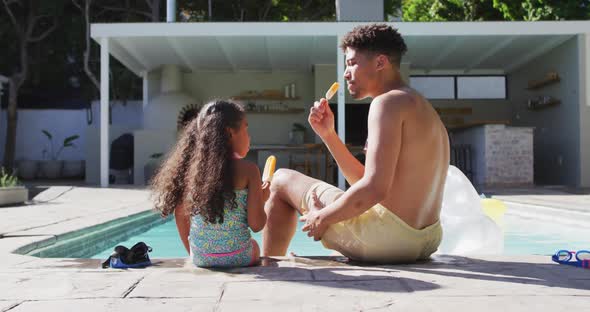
<point x="466" y="219"/>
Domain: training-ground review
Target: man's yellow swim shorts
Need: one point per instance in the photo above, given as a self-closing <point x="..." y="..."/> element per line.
<point x="377" y="235"/>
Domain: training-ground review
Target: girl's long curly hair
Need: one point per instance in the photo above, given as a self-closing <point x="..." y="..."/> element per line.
<point x="198" y="174"/>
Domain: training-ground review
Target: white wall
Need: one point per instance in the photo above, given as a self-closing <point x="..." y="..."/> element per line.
<point x="127" y="115"/>
<point x="30" y="141"/>
<point x="583" y="51"/>
<point x="557" y="129"/>
<point x="264" y="128"/>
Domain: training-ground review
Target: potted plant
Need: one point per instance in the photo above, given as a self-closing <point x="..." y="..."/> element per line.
<point x="51" y="167"/>
<point x="11" y="192"/>
<point x="297" y="134"/>
<point x="73" y="169"/>
<point x="27" y="168"/>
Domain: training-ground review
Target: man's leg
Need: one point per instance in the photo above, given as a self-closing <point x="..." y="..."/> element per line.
<point x="286" y="193"/>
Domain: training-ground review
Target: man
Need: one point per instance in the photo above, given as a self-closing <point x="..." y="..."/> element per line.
<point x="391" y="211"/>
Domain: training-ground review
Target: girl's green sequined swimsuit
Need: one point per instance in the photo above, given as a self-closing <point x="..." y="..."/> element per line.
<point x="226" y="244"/>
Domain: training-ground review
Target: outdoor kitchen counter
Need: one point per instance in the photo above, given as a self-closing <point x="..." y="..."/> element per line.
<point x="495" y="154"/>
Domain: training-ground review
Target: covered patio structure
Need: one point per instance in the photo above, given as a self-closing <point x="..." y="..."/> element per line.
<point x="230" y="54"/>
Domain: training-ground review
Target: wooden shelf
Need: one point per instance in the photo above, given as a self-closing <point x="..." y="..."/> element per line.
<point x="477" y="123"/>
<point x="454" y="110"/>
<point x="550" y="79"/>
<point x="540" y="106"/>
<point x="263" y="98"/>
<point x="278" y="112"/>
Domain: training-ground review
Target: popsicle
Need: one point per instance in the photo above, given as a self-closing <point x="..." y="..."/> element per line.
<point x="269" y="168"/>
<point x="333" y="89"/>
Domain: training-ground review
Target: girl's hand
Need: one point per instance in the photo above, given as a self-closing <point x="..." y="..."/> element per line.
<point x="265" y="191"/>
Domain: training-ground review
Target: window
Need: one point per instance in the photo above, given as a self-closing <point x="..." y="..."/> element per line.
<point x="460" y="87"/>
<point x="481" y="87"/>
<point x="434" y="87"/>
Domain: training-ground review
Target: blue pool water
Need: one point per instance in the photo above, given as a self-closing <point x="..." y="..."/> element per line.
<point x="522" y="236"/>
<point x="166" y="243"/>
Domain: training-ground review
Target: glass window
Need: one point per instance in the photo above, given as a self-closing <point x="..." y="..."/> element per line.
<point x="434" y="87"/>
<point x="481" y="87"/>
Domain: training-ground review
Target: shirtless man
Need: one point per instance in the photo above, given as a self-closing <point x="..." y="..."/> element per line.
<point x="391" y="211"/>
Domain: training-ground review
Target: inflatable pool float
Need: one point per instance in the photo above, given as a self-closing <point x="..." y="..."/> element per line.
<point x="468" y="227"/>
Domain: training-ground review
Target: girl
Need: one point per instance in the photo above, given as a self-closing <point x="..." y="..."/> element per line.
<point x="215" y="195"/>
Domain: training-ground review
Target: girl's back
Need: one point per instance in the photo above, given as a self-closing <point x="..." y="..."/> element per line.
<point x="228" y="236"/>
<point x="228" y="243"/>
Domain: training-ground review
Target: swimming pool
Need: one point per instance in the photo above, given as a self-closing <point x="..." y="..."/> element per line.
<point x="528" y="233"/>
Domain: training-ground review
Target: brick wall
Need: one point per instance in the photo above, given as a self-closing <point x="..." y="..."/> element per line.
<point x="508" y="155"/>
<point x="501" y="156"/>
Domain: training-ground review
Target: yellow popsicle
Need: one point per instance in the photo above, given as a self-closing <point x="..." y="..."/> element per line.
<point x="269" y="168"/>
<point x="333" y="89"/>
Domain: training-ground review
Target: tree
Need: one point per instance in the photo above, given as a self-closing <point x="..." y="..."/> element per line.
<point x="392" y="9"/>
<point x="31" y="22"/>
<point x="481" y="10"/>
<point x="145" y="10"/>
<point x="449" y="10"/>
<point x="417" y="10"/>
<point x="86" y="54"/>
<point x="124" y="82"/>
<point x="490" y="10"/>
<point x="536" y="10"/>
<point x="258" y="10"/>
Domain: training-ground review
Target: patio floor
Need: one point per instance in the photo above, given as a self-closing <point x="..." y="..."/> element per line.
<point x="447" y="283"/>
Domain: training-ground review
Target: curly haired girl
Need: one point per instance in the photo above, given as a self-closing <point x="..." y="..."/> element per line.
<point x="215" y="195"/>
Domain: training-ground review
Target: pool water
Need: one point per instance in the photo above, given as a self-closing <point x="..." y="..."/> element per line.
<point x="522" y="235"/>
<point x="166" y="243"/>
<point x="529" y="235"/>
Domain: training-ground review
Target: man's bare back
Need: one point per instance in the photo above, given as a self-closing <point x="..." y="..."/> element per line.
<point x="416" y="192"/>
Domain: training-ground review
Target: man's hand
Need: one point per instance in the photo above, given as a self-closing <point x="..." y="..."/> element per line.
<point x="321" y="118"/>
<point x="265" y="191"/>
<point x="313" y="222"/>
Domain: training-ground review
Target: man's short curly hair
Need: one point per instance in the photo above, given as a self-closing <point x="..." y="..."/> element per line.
<point x="376" y="38"/>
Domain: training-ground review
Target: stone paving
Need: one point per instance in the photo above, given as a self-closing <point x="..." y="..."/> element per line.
<point x="447" y="283"/>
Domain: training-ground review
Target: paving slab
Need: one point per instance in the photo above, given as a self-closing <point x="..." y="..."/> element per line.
<point x="116" y="305"/>
<point x="47" y="284"/>
<point x="6" y="305"/>
<point x="62" y="204"/>
<point x="447" y="283"/>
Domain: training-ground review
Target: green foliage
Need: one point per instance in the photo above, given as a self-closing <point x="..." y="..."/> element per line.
<point x="537" y="10"/>
<point x="417" y="10"/>
<point x="433" y="10"/>
<point x="481" y="10"/>
<point x="68" y="142"/>
<point x="392" y="9"/>
<point x="6" y="179"/>
<point x="491" y="10"/>
<point x="447" y="10"/>
<point x="258" y="10"/>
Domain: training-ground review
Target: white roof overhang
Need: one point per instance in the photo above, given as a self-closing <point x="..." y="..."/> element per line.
<point x="466" y="46"/>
